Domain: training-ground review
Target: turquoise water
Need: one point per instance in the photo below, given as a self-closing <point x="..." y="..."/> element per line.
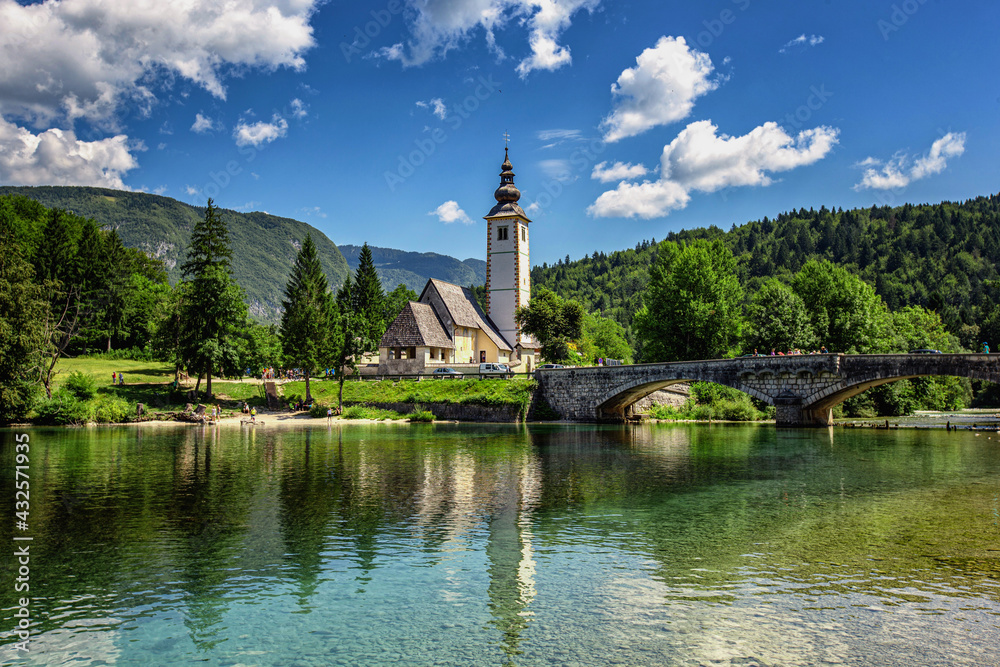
<point x="381" y="544"/>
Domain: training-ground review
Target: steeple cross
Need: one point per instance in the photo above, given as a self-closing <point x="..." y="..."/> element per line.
<point x="506" y="139"/>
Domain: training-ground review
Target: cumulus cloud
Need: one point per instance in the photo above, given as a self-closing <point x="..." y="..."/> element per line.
<point x="659" y="90"/>
<point x="84" y="58"/>
<point x="700" y="159"/>
<point x="202" y="124"/>
<point x="57" y="157"/>
<point x="438" y="26"/>
<point x="901" y="170"/>
<point x="450" y="212"/>
<point x="619" y="171"/>
<point x="299" y="108"/>
<point x="802" y="40"/>
<point x="260" y="132"/>
<point x="436" y="105"/>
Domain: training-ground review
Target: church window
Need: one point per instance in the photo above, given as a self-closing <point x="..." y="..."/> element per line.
<point x="502" y="233"/>
<point x="524" y="233"/>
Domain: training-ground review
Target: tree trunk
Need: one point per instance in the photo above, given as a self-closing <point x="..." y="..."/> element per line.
<point x="197" y="385"/>
<point x="340" y="396"/>
<point x="308" y="395"/>
<point x="208" y="383"/>
<point x="109" y="344"/>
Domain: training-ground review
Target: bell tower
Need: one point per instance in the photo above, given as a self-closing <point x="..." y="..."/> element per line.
<point x="508" y="269"/>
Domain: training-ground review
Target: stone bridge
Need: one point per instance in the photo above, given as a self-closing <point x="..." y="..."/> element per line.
<point x="803" y="388"/>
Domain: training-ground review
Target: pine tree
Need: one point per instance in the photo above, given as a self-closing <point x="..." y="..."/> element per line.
<point x="214" y="310"/>
<point x="305" y="323"/>
<point x="368" y="303"/>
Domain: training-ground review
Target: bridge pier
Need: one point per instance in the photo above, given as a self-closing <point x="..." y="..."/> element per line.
<point x="790" y="412"/>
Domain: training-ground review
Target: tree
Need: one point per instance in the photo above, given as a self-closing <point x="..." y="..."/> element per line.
<point x="23" y="311"/>
<point x="214" y="309"/>
<point x="845" y="312"/>
<point x="692" y="303"/>
<point x="777" y="318"/>
<point x="308" y="308"/>
<point x="345" y="343"/>
<point x="552" y="321"/>
<point x="367" y="304"/>
<point x="603" y="338"/>
<point x="395" y="301"/>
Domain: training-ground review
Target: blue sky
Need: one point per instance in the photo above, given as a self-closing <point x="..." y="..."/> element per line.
<point x="384" y="121"/>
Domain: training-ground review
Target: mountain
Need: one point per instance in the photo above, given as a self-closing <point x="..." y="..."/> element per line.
<point x="414" y="268"/>
<point x="264" y="246"/>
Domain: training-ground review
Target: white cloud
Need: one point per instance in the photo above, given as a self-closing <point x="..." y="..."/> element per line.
<point x="450" y="212"/>
<point x="437" y="107"/>
<point x="900" y="171"/>
<point x="67" y="59"/>
<point x="802" y="40"/>
<point x="699" y="159"/>
<point x="660" y="89"/>
<point x="438" y="26"/>
<point x="191" y="190"/>
<point x="313" y="210"/>
<point x="202" y="124"/>
<point x="57" y="157"/>
<point x="260" y="132"/>
<point x="160" y="190"/>
<point x="619" y="171"/>
<point x="299" y="108"/>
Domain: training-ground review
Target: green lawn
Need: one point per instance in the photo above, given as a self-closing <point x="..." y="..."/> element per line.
<point x="101" y="369"/>
<point x="476" y="392"/>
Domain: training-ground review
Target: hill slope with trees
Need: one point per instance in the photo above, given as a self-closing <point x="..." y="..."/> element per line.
<point x="264" y="246"/>
<point x="414" y="268"/>
<point x="942" y="257"/>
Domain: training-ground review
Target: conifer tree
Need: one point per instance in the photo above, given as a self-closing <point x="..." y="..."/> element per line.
<point x="214" y="309"/>
<point x="306" y="321"/>
<point x="368" y="304"/>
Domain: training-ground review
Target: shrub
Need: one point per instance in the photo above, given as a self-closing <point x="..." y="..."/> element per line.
<point x="318" y="409"/>
<point x="63" y="408"/>
<point x="81" y="385"/>
<point x="421" y="416"/>
<point x="112" y="410"/>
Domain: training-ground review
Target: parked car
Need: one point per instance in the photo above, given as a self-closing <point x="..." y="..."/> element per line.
<point x="543" y="366"/>
<point x="495" y="370"/>
<point x="925" y="350"/>
<point x="447" y="373"/>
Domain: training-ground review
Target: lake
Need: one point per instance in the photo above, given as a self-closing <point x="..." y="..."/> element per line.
<point x="450" y="544"/>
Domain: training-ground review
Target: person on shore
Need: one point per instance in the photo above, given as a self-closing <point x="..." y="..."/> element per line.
<point x="253" y="415"/>
<point x="114" y="377"/>
<point x="823" y="350"/>
<point x="986" y="347"/>
<point x="329" y="414"/>
<point x="121" y="379"/>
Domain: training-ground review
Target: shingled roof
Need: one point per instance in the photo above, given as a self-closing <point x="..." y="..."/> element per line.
<point x="417" y="325"/>
<point x="464" y="311"/>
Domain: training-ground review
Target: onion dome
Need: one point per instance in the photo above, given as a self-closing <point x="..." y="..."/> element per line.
<point x="507" y="194"/>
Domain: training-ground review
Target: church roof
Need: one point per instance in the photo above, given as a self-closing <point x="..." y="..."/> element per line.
<point x="417" y="325"/>
<point x="464" y="311"/>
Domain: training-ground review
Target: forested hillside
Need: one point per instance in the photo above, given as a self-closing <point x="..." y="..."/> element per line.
<point x="264" y="246"/>
<point x="414" y="268"/>
<point x="939" y="256"/>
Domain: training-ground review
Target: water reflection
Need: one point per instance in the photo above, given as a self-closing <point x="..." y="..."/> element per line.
<point x="479" y="545"/>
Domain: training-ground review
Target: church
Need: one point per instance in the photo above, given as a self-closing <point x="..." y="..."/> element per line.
<point x="447" y="327"/>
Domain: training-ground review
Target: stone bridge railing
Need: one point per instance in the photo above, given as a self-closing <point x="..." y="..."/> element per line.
<point x="803" y="388"/>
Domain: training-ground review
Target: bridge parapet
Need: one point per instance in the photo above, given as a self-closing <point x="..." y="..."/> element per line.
<point x="803" y="388"/>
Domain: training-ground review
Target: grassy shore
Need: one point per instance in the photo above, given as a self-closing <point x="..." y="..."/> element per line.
<point x="150" y="383"/>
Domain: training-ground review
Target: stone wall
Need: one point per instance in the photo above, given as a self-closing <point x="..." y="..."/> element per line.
<point x="464" y="412"/>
